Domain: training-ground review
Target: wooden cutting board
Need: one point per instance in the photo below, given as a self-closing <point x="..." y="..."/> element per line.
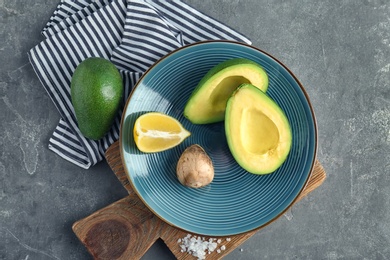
<point x="126" y="229"/>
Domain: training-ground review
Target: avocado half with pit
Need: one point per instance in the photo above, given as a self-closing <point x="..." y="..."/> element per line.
<point x="207" y="102"/>
<point x="257" y="130"/>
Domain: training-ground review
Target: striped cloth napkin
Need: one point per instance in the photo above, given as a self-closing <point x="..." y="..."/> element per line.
<point x="133" y="34"/>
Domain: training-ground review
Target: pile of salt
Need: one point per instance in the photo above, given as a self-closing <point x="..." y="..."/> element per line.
<point x="199" y="247"/>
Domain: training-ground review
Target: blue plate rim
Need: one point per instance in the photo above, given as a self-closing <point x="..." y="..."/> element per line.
<point x="304" y="92"/>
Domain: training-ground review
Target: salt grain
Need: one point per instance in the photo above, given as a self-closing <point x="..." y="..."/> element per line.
<point x="199" y="247"/>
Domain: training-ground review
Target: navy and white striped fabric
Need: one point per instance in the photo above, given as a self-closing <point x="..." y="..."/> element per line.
<point x="133" y="34"/>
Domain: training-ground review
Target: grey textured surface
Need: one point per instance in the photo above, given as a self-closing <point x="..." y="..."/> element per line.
<point x="339" y="50"/>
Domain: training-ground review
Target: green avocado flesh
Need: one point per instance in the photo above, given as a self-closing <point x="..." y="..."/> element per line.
<point x="207" y="102"/>
<point x="257" y="130"/>
<point x="96" y="93"/>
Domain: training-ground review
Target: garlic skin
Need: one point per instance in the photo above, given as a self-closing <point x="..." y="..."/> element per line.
<point x="195" y="168"/>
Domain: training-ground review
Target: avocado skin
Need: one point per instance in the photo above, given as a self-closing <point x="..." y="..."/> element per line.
<point x="96" y="94"/>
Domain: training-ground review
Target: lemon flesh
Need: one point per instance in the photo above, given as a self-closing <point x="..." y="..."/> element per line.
<point x="156" y="132"/>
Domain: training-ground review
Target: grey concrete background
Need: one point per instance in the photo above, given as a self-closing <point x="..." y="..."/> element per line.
<point x="340" y="51"/>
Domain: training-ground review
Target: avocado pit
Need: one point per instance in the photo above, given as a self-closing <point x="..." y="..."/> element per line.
<point x="195" y="168"/>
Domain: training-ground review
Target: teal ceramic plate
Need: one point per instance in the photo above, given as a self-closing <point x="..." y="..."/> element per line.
<point x="236" y="201"/>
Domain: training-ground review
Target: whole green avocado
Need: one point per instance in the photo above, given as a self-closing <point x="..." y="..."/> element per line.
<point x="96" y="94"/>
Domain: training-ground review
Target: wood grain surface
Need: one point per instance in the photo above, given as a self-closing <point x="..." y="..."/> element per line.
<point x="126" y="229"/>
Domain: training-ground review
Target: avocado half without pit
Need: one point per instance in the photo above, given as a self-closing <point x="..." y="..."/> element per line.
<point x="257" y="130"/>
<point x="207" y="102"/>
